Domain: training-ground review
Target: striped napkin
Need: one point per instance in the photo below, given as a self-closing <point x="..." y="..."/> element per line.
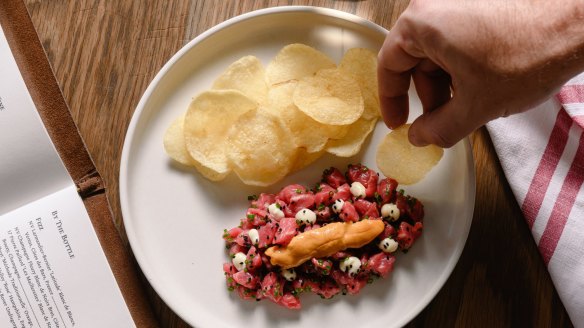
<point x="542" y="154"/>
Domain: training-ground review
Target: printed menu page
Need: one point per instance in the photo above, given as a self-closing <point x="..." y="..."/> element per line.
<point x="53" y="272"/>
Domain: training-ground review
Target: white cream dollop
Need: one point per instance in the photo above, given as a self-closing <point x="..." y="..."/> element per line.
<point x="275" y="210"/>
<point x="305" y="216"/>
<point x="239" y="260"/>
<point x="289" y="274"/>
<point x="351" y="265"/>
<point x="390" y="211"/>
<point x="358" y="189"/>
<point x="254" y="236"/>
<point x="388" y="245"/>
<point x="338" y="205"/>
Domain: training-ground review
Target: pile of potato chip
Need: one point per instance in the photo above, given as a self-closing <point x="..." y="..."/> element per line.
<point x="263" y="124"/>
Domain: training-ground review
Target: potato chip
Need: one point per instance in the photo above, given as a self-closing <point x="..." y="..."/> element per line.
<point x="399" y="159"/>
<point x="295" y="61"/>
<point x="260" y="148"/>
<point x="209" y="173"/>
<point x="304" y="158"/>
<point x="362" y="64"/>
<point x="174" y="143"/>
<point x="352" y="142"/>
<point x="265" y="123"/>
<point x="175" y="147"/>
<point x="209" y="117"/>
<point x="330" y="97"/>
<point x="246" y="75"/>
<point x="306" y="132"/>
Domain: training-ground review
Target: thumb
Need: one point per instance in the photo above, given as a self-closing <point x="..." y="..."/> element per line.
<point x="444" y="126"/>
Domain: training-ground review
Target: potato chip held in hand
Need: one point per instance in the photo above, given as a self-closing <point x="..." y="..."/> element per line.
<point x="399" y="159"/>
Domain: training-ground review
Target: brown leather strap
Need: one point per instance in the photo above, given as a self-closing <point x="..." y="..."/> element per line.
<point x="54" y="112"/>
<point x="44" y="90"/>
<point x="90" y="184"/>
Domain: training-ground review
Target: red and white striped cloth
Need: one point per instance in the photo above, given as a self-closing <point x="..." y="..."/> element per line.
<point x="542" y="154"/>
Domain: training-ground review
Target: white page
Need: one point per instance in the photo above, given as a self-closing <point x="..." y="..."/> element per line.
<point x="29" y="165"/>
<point x="53" y="272"/>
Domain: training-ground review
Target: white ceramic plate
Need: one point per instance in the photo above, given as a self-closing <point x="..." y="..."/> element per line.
<point x="174" y="218"/>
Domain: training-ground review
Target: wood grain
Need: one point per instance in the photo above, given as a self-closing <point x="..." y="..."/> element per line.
<point x="104" y="55"/>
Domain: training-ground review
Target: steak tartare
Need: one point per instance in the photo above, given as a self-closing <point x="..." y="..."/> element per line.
<point x="273" y="220"/>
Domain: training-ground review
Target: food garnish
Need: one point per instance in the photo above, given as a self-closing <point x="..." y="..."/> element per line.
<point x="324" y="241"/>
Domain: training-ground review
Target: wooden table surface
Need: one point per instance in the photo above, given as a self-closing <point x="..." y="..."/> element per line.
<point x="105" y="53"/>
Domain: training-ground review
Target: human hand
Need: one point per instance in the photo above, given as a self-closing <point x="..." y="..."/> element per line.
<point x="474" y="61"/>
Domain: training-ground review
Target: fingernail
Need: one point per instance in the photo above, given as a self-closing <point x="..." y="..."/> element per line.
<point x="416" y="141"/>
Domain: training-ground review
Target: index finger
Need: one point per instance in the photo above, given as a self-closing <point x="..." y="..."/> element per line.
<point x="394" y="72"/>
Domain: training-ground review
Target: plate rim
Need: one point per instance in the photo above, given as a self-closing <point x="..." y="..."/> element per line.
<point x="140" y="107"/>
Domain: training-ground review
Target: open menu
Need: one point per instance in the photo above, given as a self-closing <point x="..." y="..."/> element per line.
<point x="53" y="272"/>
